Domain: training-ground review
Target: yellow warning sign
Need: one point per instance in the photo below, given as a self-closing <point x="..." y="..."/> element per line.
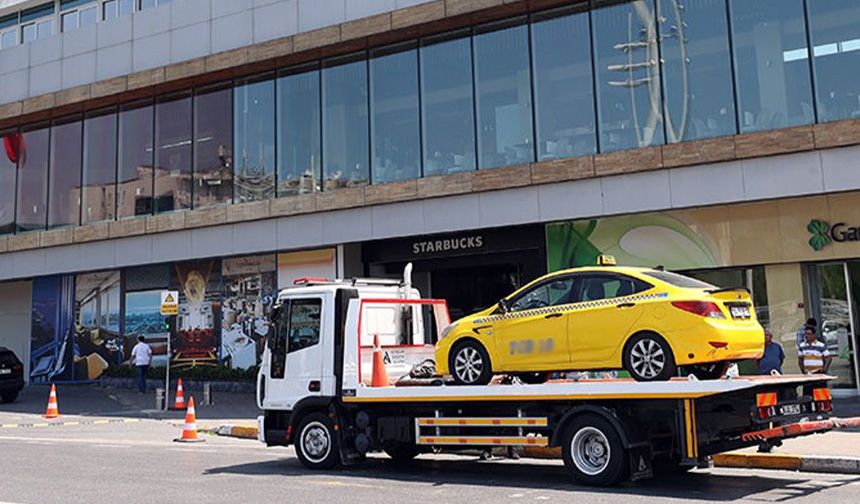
<point x="169" y="303"/>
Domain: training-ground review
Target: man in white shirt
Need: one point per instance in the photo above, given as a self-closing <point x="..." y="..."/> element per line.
<point x="141" y="357"/>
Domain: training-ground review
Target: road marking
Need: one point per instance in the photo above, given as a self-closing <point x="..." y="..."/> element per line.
<point x="42" y="425"/>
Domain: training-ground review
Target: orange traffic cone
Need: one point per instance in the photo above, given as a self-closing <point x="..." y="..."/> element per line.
<point x="53" y="410"/>
<point x="179" y="403"/>
<point x="189" y="432"/>
<point x="380" y="375"/>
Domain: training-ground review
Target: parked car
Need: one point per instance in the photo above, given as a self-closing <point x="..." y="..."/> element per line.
<point x="647" y="321"/>
<point x="11" y="375"/>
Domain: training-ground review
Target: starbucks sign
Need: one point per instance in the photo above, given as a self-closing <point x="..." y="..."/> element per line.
<point x="823" y="234"/>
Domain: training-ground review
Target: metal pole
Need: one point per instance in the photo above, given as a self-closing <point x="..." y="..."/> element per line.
<point x="167" y="373"/>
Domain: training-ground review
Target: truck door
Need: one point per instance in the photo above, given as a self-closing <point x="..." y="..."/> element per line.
<point x="295" y="370"/>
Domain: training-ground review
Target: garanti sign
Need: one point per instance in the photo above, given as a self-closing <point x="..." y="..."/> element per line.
<point x="823" y="234"/>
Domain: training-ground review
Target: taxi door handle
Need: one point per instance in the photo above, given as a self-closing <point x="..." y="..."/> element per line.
<point x="625" y="305"/>
<point x="553" y="315"/>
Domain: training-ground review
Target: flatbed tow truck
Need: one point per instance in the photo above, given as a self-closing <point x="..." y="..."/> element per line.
<point x="314" y="387"/>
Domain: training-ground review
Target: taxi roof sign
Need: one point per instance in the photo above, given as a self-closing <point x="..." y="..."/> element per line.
<point x="169" y="302"/>
<point x="606" y="260"/>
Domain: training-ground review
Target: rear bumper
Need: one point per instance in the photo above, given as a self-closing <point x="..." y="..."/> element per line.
<point x="716" y="341"/>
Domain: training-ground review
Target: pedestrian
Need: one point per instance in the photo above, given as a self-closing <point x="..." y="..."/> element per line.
<point x="773" y="357"/>
<point x="801" y="333"/>
<point x="141" y="356"/>
<point x="812" y="357"/>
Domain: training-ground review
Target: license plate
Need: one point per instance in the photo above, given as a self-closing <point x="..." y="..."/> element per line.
<point x="740" y="312"/>
<point x="790" y="409"/>
<point x="5" y="371"/>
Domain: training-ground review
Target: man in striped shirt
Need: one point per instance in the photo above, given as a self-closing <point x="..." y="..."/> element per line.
<point x="813" y="356"/>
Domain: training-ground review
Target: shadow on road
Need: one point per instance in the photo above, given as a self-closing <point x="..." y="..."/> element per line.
<point x="545" y="476"/>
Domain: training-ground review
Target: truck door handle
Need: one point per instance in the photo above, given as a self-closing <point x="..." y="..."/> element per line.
<point x="625" y="305"/>
<point x="553" y="315"/>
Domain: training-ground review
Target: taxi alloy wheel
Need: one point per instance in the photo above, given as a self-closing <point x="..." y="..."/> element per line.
<point x="470" y="363"/>
<point x="648" y="358"/>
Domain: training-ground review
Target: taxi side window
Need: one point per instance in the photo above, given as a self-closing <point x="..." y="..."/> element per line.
<point x="553" y="293"/>
<point x="596" y="287"/>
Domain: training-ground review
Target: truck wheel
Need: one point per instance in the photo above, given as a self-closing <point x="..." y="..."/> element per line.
<point x="469" y="363"/>
<point x="593" y="452"/>
<point x="401" y="452"/>
<point x="647" y="357"/>
<point x="317" y="446"/>
<point x="533" y="378"/>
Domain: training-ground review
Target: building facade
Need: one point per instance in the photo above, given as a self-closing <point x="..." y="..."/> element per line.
<point x="224" y="148"/>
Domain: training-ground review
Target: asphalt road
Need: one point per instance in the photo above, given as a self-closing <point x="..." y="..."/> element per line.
<point x="138" y="463"/>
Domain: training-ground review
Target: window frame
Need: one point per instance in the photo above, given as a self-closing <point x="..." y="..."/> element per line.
<point x="577" y="296"/>
<point x="572" y="277"/>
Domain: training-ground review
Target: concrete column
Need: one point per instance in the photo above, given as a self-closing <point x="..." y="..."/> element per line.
<point x="784" y="296"/>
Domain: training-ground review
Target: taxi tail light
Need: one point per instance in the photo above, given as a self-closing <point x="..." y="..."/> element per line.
<point x="701" y="308"/>
<point x="18" y="367"/>
<point x="718" y="344"/>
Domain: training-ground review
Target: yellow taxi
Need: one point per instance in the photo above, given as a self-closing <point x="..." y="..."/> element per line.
<point x="649" y="322"/>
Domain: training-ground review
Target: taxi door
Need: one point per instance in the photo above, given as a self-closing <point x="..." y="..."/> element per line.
<point x="603" y="318"/>
<point x="533" y="333"/>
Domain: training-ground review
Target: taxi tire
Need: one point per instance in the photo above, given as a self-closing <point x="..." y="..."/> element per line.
<point x="486" y="374"/>
<point x="669" y="368"/>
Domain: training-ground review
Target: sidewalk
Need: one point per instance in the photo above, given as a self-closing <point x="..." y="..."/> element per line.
<point x="94" y="401"/>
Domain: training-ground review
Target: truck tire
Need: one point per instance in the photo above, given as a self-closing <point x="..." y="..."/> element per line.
<point x="533" y="378"/>
<point x="647" y="357"/>
<point x="593" y="451"/>
<point x="401" y="452"/>
<point x="469" y="363"/>
<point x="317" y="445"/>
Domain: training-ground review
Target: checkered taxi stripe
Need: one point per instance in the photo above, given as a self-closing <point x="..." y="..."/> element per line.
<point x="571" y="307"/>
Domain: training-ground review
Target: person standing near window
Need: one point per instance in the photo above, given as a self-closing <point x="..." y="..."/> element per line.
<point x="141" y="356"/>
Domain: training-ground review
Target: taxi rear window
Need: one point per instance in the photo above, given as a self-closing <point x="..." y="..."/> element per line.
<point x="677" y="280"/>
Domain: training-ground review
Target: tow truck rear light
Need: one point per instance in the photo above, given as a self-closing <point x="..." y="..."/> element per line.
<point x="702" y="308"/>
<point x="823" y="401"/>
<point x="766" y="404"/>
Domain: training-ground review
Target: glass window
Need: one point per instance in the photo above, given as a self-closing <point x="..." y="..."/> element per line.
<point x="33" y="180"/>
<point x="69" y="21"/>
<point x="44" y="29"/>
<point x="594" y="287"/>
<point x="503" y="94"/>
<point x="394" y="120"/>
<point x="299" y="148"/>
<point x="305" y="315"/>
<point x="627" y="75"/>
<point x="771" y="64"/>
<point x="64" y="205"/>
<point x="10" y="151"/>
<point x="553" y="293"/>
<point x="677" y="280"/>
<point x="113" y="9"/>
<point x="8" y="39"/>
<point x="135" y="161"/>
<point x="564" y="87"/>
<point x="28" y="32"/>
<point x="99" y="179"/>
<point x="447" y="108"/>
<point x="89" y="16"/>
<point x="254" y="119"/>
<point x="345" y="123"/>
<point x="213" y="147"/>
<point x="278" y="344"/>
<point x="697" y="72"/>
<point x="173" y="154"/>
<point x="836" y="41"/>
<point x="146" y="4"/>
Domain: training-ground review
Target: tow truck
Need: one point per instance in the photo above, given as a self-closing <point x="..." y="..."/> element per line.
<point x="315" y="389"/>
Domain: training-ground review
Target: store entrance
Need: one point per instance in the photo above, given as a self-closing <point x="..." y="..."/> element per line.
<point x="469" y="290"/>
<point x="835" y="292"/>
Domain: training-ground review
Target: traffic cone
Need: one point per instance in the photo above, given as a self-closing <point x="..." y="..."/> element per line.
<point x="380" y="375"/>
<point x="53" y="410"/>
<point x="189" y="432"/>
<point x="179" y="403"/>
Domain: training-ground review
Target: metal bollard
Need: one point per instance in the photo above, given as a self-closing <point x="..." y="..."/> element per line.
<point x="159" y="399"/>
<point x="207" y="394"/>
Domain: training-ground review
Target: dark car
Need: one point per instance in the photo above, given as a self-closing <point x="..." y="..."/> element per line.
<point x="11" y="375"/>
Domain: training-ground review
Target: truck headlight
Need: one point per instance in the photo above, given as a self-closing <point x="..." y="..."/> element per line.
<point x="447" y="330"/>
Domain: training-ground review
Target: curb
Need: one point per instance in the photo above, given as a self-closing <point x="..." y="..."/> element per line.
<point x="807" y="463"/>
<point x="236" y="431"/>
